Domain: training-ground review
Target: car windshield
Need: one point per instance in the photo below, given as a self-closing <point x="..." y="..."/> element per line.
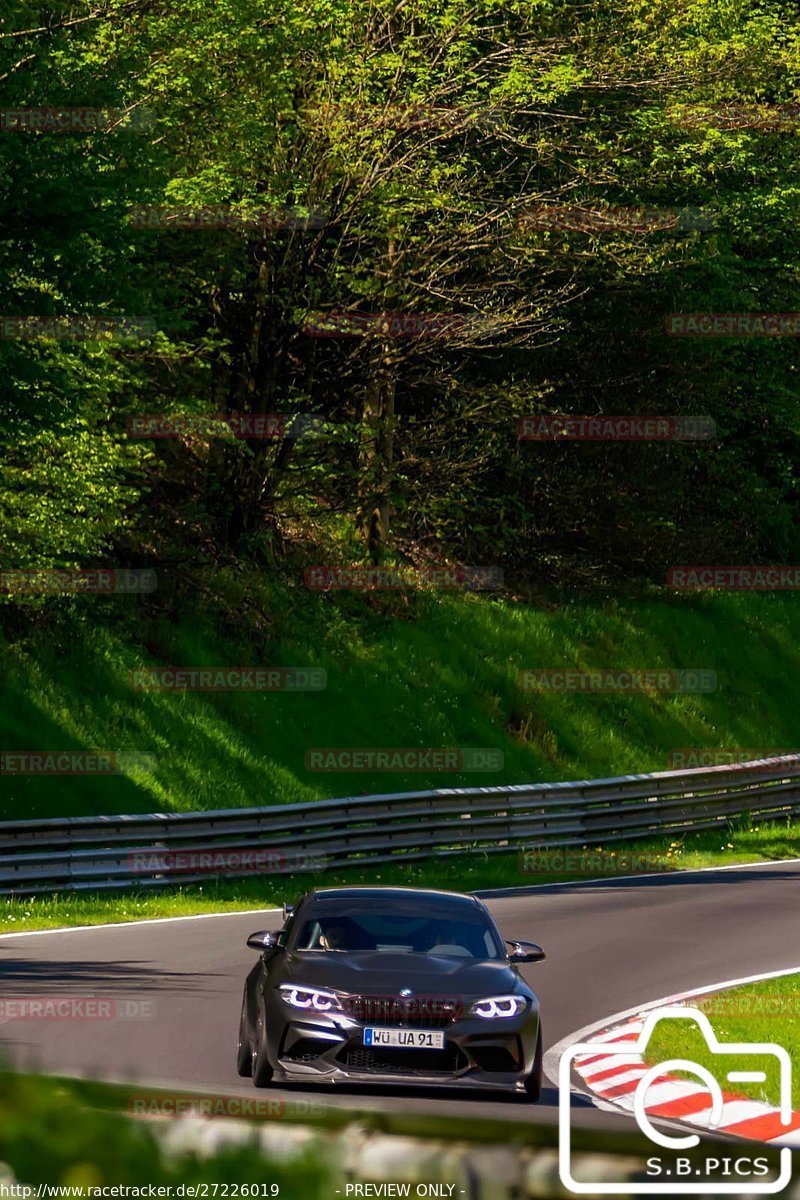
<point x="390" y="932"/>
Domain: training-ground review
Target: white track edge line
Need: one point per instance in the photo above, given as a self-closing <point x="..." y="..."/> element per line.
<point x="239" y="912"/>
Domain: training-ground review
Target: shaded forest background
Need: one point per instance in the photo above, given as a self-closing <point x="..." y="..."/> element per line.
<point x="406" y="142"/>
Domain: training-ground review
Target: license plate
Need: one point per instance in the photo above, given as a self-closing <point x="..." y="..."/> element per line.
<point x="416" y="1039"/>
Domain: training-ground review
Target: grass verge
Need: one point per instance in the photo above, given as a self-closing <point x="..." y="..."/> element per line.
<point x="421" y="671"/>
<point x="768" y="1011"/>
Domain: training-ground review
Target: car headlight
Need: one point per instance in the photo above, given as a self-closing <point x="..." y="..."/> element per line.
<point x="309" y="998"/>
<point x="499" y="1006"/>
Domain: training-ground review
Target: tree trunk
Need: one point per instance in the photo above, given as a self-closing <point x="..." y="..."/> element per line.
<point x="376" y="456"/>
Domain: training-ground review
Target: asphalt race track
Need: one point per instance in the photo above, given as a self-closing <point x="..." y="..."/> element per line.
<point x="610" y="945"/>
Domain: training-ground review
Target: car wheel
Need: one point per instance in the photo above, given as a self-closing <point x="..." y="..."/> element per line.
<point x="244" y="1051"/>
<point x="533" y="1083"/>
<point x="262" y="1071"/>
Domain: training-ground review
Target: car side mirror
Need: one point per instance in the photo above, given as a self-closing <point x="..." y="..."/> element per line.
<point x="265" y="939"/>
<point x="525" y="952"/>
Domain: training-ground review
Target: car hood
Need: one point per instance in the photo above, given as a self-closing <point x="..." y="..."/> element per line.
<point x="381" y="972"/>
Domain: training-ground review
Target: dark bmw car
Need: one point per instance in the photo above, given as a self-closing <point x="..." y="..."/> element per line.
<point x="383" y="984"/>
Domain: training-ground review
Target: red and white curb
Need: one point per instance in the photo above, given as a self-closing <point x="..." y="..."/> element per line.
<point x="611" y="1075"/>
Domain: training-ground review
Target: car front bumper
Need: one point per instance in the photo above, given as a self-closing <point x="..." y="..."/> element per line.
<point x="328" y="1048"/>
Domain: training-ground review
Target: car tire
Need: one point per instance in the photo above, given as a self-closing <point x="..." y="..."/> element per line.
<point x="244" y="1051"/>
<point x="533" y="1082"/>
<point x="262" y="1071"/>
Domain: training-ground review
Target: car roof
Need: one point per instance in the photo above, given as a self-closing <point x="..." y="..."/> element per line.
<point x="388" y="891"/>
<point x="401" y="894"/>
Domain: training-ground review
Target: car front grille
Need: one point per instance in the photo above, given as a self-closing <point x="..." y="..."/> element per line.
<point x="388" y="1061"/>
<point x="422" y="1012"/>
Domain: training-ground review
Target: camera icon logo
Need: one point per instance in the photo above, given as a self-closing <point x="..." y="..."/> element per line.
<point x="633" y="1051"/>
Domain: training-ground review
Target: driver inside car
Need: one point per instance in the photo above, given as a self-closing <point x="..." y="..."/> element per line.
<point x="334" y="937"/>
<point x="344" y="934"/>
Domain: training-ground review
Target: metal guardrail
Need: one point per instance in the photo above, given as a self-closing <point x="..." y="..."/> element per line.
<point x="158" y="849"/>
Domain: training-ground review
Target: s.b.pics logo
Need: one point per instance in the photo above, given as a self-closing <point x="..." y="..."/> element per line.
<point x="669" y="1094"/>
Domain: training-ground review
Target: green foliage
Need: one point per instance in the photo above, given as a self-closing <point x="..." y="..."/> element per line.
<point x="48" y="1135"/>
<point x="420" y="133"/>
